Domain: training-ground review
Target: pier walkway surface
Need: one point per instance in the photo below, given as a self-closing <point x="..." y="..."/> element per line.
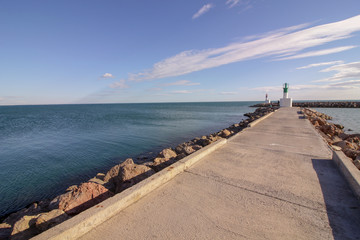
<point x="275" y="180"/>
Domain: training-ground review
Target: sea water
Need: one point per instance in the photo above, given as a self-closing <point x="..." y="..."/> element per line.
<point x="45" y="149"/>
<point x="348" y="117"/>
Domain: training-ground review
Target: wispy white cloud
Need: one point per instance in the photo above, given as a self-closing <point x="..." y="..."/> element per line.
<point x="162" y="94"/>
<point x="120" y="84"/>
<point x="279" y="44"/>
<point x="318" y="53"/>
<point x="353" y="83"/>
<point x="320" y="64"/>
<point x="228" y="93"/>
<point x="232" y="3"/>
<point x="245" y="4"/>
<point x="155" y="89"/>
<point x="277" y="32"/>
<point x="204" y="9"/>
<point x="343" y="71"/>
<point x="181" y="92"/>
<point x="180" y="83"/>
<point x="106" y="76"/>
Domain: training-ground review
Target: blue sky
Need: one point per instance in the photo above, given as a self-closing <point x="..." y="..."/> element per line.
<point x="59" y="52"/>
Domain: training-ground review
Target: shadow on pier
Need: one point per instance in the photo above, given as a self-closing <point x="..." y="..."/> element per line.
<point x="342" y="207"/>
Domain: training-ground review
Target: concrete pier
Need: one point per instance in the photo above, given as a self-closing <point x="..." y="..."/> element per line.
<point x="275" y="180"/>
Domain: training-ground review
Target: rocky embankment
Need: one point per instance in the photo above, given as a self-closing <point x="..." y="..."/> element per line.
<point x="335" y="136"/>
<point x="327" y="104"/>
<point x="315" y="104"/>
<point x="43" y="215"/>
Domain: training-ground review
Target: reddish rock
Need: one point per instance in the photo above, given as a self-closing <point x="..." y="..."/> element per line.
<point x="343" y="136"/>
<point x="355" y="141"/>
<point x="34" y="209"/>
<point x="351" y="153"/>
<point x="191" y="149"/>
<point x="167" y="153"/>
<point x="24" y="228"/>
<point x="50" y="219"/>
<point x="158" y="161"/>
<point x="71" y="188"/>
<point x="127" y="174"/>
<point x="81" y="198"/>
<point x="339" y="126"/>
<point x="225" y="133"/>
<point x="100" y="176"/>
<point x="345" y="145"/>
<point x="214" y="138"/>
<point x="317" y="121"/>
<point x="96" y="180"/>
<point x="331" y="130"/>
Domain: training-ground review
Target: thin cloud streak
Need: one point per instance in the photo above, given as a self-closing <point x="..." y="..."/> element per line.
<point x="121" y="84"/>
<point x="180" y="83"/>
<point x="204" y="9"/>
<point x="320" y="64"/>
<point x="318" y="53"/>
<point x="228" y="93"/>
<point x="232" y="3"/>
<point x="181" y="92"/>
<point x="344" y="71"/>
<point x="279" y="44"/>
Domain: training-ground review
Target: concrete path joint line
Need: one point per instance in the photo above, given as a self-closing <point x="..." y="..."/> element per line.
<point x="254" y="191"/>
<point x="283" y="134"/>
<point x="278" y="150"/>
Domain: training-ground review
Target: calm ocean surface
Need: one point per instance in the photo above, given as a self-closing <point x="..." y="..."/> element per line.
<point x="348" y="117"/>
<point x="45" y="149"/>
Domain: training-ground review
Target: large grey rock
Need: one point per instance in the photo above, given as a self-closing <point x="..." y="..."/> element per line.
<point x="179" y="149"/>
<point x="204" y="141"/>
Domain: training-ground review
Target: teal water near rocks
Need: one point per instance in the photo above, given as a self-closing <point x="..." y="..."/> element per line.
<point x="45" y="149"/>
<point x="348" y="117"/>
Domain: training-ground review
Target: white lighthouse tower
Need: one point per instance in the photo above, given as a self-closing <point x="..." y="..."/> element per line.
<point x="267" y="100"/>
<point x="286" y="101"/>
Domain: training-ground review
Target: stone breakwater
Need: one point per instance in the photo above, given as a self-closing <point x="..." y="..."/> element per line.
<point x="335" y="136"/>
<point x="350" y="104"/>
<point x="327" y="104"/>
<point x="43" y="215"/>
